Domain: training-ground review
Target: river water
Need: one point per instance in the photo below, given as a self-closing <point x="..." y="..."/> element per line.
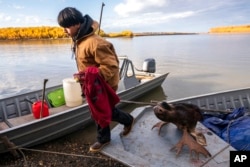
<point x="197" y="64"/>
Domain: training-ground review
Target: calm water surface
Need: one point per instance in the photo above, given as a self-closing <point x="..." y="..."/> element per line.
<point x="197" y="63"/>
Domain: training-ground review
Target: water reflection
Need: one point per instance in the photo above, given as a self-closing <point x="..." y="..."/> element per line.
<point x="197" y="63"/>
<point x="24" y="64"/>
<point x="35" y="42"/>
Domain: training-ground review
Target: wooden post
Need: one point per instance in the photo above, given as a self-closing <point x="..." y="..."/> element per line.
<point x="100" y="21"/>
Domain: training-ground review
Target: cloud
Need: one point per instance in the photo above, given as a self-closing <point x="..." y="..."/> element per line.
<point x="145" y="13"/>
<point x="1" y="16"/>
<point x="31" y="19"/>
<point x="4" y="17"/>
<point x="173" y="14"/>
<point x="17" y="6"/>
<point x="147" y="19"/>
<point x="26" y="20"/>
<point x="137" y="6"/>
<point x="7" y="18"/>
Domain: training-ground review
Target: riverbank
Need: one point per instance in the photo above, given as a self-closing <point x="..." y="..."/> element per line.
<point x="231" y="29"/>
<point x="163" y="33"/>
<point x="46" y="32"/>
<point x="69" y="151"/>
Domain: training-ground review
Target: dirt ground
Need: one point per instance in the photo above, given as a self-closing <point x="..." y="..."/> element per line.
<point x="69" y="151"/>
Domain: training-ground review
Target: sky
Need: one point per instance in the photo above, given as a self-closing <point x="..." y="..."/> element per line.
<point x="134" y="15"/>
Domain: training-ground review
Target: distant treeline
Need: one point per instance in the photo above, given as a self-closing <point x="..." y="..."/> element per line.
<point x="231" y="29"/>
<point x="45" y="32"/>
<point x="31" y="33"/>
<point x="162" y="33"/>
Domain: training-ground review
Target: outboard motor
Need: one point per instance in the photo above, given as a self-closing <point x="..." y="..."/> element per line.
<point x="149" y="65"/>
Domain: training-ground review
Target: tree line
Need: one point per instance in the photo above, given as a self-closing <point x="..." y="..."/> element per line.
<point x="231" y="29"/>
<point x="46" y="32"/>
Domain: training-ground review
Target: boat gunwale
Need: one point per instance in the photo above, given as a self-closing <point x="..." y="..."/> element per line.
<point x="84" y="105"/>
<point x="209" y="94"/>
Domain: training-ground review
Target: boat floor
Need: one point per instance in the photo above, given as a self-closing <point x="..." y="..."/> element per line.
<point x="144" y="147"/>
<point x="12" y="122"/>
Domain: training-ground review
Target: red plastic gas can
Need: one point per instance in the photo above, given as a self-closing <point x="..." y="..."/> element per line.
<point x="36" y="109"/>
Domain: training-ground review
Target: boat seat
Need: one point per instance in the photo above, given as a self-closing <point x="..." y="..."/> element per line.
<point x="55" y="110"/>
<point x="144" y="78"/>
<point x="3" y="126"/>
<point x="29" y="117"/>
<point x="21" y="120"/>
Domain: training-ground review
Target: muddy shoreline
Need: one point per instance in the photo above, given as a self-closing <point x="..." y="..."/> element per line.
<point x="69" y="151"/>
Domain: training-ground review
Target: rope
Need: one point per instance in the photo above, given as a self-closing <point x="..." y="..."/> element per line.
<point x="49" y="152"/>
<point x="59" y="153"/>
<point x="153" y="102"/>
<point x="25" y="160"/>
<point x="215" y="155"/>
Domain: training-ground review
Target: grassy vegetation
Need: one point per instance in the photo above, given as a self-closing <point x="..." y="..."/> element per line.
<point x="231" y="29"/>
<point x="45" y="32"/>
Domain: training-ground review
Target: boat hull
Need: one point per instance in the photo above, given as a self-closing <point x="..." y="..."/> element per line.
<point x="62" y="120"/>
<point x="145" y="147"/>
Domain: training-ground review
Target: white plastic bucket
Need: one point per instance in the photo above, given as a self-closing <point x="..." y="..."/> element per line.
<point x="72" y="92"/>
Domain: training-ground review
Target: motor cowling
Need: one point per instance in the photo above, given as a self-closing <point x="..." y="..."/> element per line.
<point x="149" y="65"/>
